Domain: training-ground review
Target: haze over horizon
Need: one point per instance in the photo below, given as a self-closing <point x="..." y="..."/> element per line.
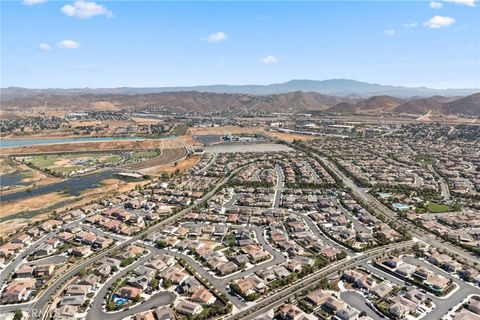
<point x="246" y="85"/>
<point x="104" y="44"/>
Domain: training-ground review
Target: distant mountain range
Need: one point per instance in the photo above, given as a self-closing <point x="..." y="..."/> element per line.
<point x="467" y="106"/>
<point x="335" y="87"/>
<point x="191" y="101"/>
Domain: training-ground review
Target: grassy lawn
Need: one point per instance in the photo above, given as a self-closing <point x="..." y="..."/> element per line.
<point x="179" y="129"/>
<point x="83" y="155"/>
<point x="437" y="207"/>
<point x="424" y="159"/>
<point x="27" y="175"/>
<point x="113" y="159"/>
<point x="43" y="161"/>
<point x="137" y="155"/>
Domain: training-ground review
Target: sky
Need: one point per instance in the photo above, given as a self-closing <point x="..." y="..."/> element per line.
<point x="83" y="43"/>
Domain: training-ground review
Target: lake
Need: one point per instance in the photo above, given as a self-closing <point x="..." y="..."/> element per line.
<point x="11" y="143"/>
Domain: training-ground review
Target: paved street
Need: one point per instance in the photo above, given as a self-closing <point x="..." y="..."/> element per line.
<point x="319" y="233"/>
<point x="442" y="304"/>
<point x="37" y="306"/>
<point x="282" y="296"/>
<point x="6" y="272"/>
<point x="277" y="257"/>
<point x="97" y="311"/>
<point x="418" y="233"/>
<point x="357" y="301"/>
<point x="443" y="184"/>
<point x="279" y="187"/>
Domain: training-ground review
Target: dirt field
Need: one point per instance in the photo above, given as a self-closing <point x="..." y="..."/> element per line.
<point x="104" y="105"/>
<point x="224" y="130"/>
<point x="7" y="166"/>
<point x="249" y="130"/>
<point x="182" y="165"/>
<point x="109" y="187"/>
<point x="147" y="120"/>
<point x="167" y="156"/>
<point x="33" y="203"/>
<point x="289" y="137"/>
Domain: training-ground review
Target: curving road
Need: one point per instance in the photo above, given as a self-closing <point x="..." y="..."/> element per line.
<point x="37" y="308"/>
<point x="443" y="184"/>
<point x="159" y="299"/>
<point x="319" y="233"/>
<point x="277" y="257"/>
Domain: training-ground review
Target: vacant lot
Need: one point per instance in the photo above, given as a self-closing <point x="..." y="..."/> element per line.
<point x="252" y="147"/>
<point x="289" y="137"/>
<point x="168" y="156"/>
<point x="181" y="165"/>
<point x="224" y="130"/>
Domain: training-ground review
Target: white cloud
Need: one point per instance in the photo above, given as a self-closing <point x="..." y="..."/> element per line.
<point x="411" y="25"/>
<point x="33" y="2"/>
<point x="436" y="5"/>
<point x="389" y="32"/>
<point x="83" y="9"/>
<point x="44" y="46"/>
<point x="437" y="22"/>
<point x="216" y="37"/>
<point x="269" y="59"/>
<point x="68" y="44"/>
<point x="470" y="3"/>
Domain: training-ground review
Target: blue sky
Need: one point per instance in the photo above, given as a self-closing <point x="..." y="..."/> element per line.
<point x="85" y="43"/>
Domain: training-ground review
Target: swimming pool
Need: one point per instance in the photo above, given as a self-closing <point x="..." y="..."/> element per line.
<point x="401" y="207"/>
<point x="119" y="300"/>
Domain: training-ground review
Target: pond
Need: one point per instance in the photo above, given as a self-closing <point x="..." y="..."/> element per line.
<point x="73" y="186"/>
<point x="13" y="179"/>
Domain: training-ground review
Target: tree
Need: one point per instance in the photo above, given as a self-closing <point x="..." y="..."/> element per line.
<point x="18" y="315"/>
<point x="110" y="305"/>
<point x="86" y="303"/>
<point x="167" y="283"/>
<point x="162" y="244"/>
<point x="154" y="283"/>
<point x="137" y="298"/>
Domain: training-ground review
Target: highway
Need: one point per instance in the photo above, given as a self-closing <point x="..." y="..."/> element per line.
<point x="381" y="209"/>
